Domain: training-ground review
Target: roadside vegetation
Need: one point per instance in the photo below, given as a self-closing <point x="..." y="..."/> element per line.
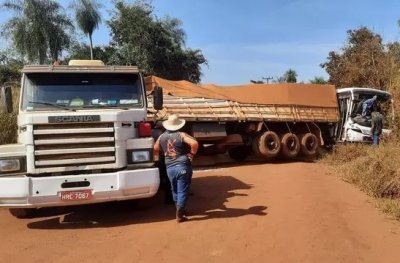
<point x="8" y="122"/>
<point x="375" y="170"/>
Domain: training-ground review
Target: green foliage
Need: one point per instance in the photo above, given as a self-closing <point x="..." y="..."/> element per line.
<point x="9" y="68"/>
<point x="82" y="51"/>
<point x="364" y="61"/>
<point x="318" y="80"/>
<point x="155" y="45"/>
<point x="290" y="76"/>
<point x="38" y="29"/>
<point x="88" y="18"/>
<point x="8" y="121"/>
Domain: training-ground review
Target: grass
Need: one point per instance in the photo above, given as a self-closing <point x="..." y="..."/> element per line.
<point x="375" y="170"/>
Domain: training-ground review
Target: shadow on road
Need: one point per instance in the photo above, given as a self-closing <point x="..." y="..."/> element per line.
<point x="211" y="193"/>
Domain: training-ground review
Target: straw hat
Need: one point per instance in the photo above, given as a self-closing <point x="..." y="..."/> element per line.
<point x="173" y="123"/>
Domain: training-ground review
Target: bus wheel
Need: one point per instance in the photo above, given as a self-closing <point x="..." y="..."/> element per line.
<point x="308" y="144"/>
<point x="290" y="145"/>
<point x="269" y="144"/>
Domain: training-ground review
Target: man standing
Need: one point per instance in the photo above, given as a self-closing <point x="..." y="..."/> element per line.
<point x="377" y="125"/>
<point x="179" y="149"/>
<point x="368" y="106"/>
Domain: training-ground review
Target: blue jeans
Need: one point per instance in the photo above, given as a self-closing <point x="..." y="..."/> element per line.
<point x="375" y="139"/>
<point x="180" y="176"/>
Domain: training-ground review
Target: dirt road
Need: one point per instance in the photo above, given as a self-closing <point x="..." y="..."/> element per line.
<point x="253" y="213"/>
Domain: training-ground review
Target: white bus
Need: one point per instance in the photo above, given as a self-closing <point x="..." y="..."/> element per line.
<point x="352" y="126"/>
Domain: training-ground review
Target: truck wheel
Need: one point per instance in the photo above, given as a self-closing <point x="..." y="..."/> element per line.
<point x="23" y="212"/>
<point x="255" y="145"/>
<point x="239" y="153"/>
<point x="290" y="145"/>
<point x="308" y="144"/>
<point x="269" y="144"/>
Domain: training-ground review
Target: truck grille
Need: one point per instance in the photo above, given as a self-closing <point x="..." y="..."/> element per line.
<point x="73" y="144"/>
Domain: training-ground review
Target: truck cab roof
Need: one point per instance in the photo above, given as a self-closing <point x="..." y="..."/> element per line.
<point x="79" y="69"/>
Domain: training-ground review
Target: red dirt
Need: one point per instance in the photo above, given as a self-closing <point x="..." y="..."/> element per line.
<point x="254" y="213"/>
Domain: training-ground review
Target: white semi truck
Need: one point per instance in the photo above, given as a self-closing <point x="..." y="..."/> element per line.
<point x="82" y="138"/>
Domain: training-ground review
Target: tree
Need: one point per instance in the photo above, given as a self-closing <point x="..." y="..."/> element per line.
<point x="82" y="51"/>
<point x="88" y="18"/>
<point x="290" y="76"/>
<point x="318" y="80"/>
<point x="155" y="45"/>
<point x="9" y="67"/>
<point x="38" y="30"/>
<point x="362" y="62"/>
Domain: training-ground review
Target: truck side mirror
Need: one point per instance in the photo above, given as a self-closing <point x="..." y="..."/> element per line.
<point x="158" y="100"/>
<point x="6" y="104"/>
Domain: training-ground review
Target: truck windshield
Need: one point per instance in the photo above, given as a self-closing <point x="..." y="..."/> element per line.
<point x="55" y="91"/>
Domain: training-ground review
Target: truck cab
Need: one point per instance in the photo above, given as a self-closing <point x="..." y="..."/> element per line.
<point x="352" y="126"/>
<point x="82" y="138"/>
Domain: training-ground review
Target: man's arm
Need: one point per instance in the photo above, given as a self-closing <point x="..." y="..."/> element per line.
<point x="194" y="145"/>
<point x="156" y="147"/>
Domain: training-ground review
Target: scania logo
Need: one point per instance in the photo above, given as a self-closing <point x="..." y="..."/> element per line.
<point x="79" y="118"/>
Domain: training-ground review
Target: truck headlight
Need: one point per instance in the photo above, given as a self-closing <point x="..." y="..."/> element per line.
<point x="12" y="165"/>
<point x="140" y="156"/>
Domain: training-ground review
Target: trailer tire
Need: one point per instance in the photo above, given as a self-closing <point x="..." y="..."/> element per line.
<point x="308" y="144"/>
<point x="269" y="144"/>
<point x="239" y="153"/>
<point x="255" y="145"/>
<point x="22" y="213"/>
<point x="290" y="145"/>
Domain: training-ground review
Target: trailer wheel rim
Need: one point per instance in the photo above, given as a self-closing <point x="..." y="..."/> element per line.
<point x="291" y="144"/>
<point x="310" y="143"/>
<point x="271" y="144"/>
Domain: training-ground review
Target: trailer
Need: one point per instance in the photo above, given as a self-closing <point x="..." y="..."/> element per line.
<point x="270" y="120"/>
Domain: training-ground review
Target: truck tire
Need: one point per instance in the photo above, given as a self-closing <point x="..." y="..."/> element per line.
<point x="23" y="212"/>
<point x="290" y="145"/>
<point x="269" y="144"/>
<point x="308" y="144"/>
<point x="239" y="153"/>
<point x="255" y="145"/>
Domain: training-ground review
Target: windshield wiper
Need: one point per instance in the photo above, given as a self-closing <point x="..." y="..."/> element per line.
<point x="51" y="104"/>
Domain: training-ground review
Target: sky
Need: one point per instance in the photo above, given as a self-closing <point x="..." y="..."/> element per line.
<point x="251" y="40"/>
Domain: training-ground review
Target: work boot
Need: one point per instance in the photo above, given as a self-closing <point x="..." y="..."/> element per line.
<point x="180" y="214"/>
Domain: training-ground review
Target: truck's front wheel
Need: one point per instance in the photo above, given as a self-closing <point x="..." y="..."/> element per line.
<point x="23" y="212"/>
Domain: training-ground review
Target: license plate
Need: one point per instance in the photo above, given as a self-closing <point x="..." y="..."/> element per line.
<point x="76" y="195"/>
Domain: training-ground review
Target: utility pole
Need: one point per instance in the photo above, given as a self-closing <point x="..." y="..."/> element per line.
<point x="267" y="79"/>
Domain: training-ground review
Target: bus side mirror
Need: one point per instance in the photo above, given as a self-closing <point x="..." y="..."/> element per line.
<point x="6" y="105"/>
<point x="158" y="100"/>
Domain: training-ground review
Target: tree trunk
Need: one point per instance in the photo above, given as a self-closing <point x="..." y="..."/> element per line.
<point x="91" y="47"/>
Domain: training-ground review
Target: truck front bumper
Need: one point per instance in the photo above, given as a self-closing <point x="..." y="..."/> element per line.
<point x="104" y="187"/>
